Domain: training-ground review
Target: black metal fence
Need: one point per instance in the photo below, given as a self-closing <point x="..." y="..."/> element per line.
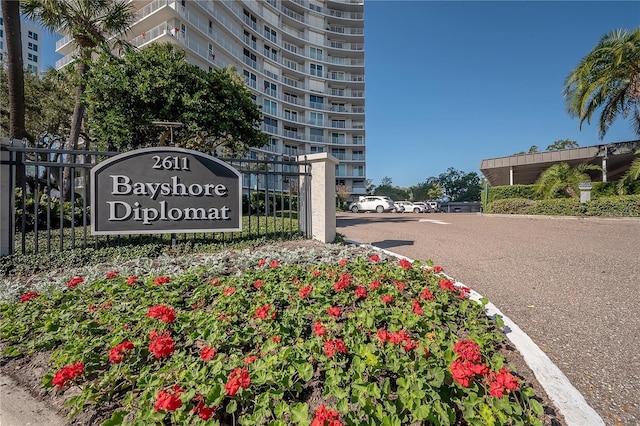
<point x="275" y="201"/>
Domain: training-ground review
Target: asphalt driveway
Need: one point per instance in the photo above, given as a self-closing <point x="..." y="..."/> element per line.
<point x="570" y="283"/>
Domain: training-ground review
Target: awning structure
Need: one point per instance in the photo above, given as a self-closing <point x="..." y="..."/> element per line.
<point x="614" y="158"/>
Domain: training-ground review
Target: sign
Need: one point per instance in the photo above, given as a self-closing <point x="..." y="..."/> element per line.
<point x="165" y="190"/>
<point x="585" y="185"/>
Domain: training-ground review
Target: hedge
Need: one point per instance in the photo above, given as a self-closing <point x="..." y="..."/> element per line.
<point x="617" y="206"/>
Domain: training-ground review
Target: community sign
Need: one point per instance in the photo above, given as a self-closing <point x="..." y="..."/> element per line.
<point x="165" y="190"/>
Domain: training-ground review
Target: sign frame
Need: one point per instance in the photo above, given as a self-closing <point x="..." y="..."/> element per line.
<point x="164" y="152"/>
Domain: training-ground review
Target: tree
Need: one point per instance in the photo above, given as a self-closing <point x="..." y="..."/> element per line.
<point x="126" y="94"/>
<point x="426" y="190"/>
<point x="460" y="186"/>
<point x="89" y="23"/>
<point x="343" y="192"/>
<point x="369" y="186"/>
<point x="386" y="188"/>
<point x="15" y="77"/>
<point x="532" y="150"/>
<point x="561" y="180"/>
<point x="608" y="78"/>
<point x="632" y="174"/>
<point x="562" y="144"/>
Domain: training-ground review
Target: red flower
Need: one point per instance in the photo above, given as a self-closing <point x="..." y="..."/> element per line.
<point x="66" y="374"/>
<point x="374" y="284"/>
<point x="112" y="274"/>
<point x="132" y="279"/>
<point x="437" y="269"/>
<point x="262" y="311"/>
<point x="417" y="309"/>
<point x="503" y="382"/>
<point x="295" y="281"/>
<point x="207" y="353"/>
<point x="258" y="284"/>
<point x="324" y="415"/>
<point x="28" y="296"/>
<point x="154" y="333"/>
<point x="400" y="285"/>
<point x="461" y="373"/>
<point x="238" y="378"/>
<point x="445" y="284"/>
<point x="374" y="258"/>
<point x="405" y="264"/>
<point x="74" y="282"/>
<point x="161" y="280"/>
<point x="304" y="291"/>
<point x="276" y="339"/>
<point x="319" y="329"/>
<point x="468" y="350"/>
<point x="383" y="335"/>
<point x="169" y="399"/>
<point x="116" y="354"/>
<point x="248" y="360"/>
<point x="343" y="262"/>
<point x="332" y="346"/>
<point x="426" y="294"/>
<point x="411" y="344"/>
<point x="361" y="292"/>
<point x="316" y="273"/>
<point x="204" y="412"/>
<point x="274" y="264"/>
<point x="229" y="291"/>
<point x="261" y="263"/>
<point x="161" y="346"/>
<point x="343" y="282"/>
<point x="162" y="312"/>
<point x="334" y="311"/>
<point x="387" y="298"/>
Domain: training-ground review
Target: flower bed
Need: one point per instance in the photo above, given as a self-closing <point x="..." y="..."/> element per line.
<point x="367" y="340"/>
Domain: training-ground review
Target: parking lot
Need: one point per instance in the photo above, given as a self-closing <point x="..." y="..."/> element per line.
<point x="571" y="284"/>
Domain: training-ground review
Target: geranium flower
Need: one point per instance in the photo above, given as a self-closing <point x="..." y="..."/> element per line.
<point x="162" y="312"/>
<point x="334" y="311"/>
<point x="343" y="262"/>
<point x="437" y="269"/>
<point x="132" y="279"/>
<point x="417" y="309"/>
<point x="405" y="264"/>
<point x="316" y="273"/>
<point x="276" y="339"/>
<point x="361" y="292"/>
<point x="319" y="329"/>
<point x="250" y="359"/>
<point x="204" y="412"/>
<point x="28" y="296"/>
<point x="274" y="264"/>
<point x="387" y="298"/>
<point x="116" y="354"/>
<point x="468" y="350"/>
<point x="261" y="263"/>
<point x="161" y="346"/>
<point x="238" y="378"/>
<point x="374" y="284"/>
<point x="374" y="258"/>
<point x="502" y="383"/>
<point x="323" y="415"/>
<point x="426" y="294"/>
<point x="332" y="346"/>
<point x="304" y="291"/>
<point x="343" y="282"/>
<point x="258" y="284"/>
<point x="112" y="274"/>
<point x="229" y="291"/>
<point x="262" y="311"/>
<point x="161" y="280"/>
<point x="445" y="284"/>
<point x="66" y="374"/>
<point x="169" y="399"/>
<point x="207" y="353"/>
<point x="400" y="285"/>
<point x="74" y="282"/>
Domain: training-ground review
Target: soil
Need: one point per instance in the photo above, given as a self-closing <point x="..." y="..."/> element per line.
<point x="28" y="372"/>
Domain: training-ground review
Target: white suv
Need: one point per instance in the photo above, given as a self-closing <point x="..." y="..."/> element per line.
<point x="373" y="203"/>
<point x="409" y="207"/>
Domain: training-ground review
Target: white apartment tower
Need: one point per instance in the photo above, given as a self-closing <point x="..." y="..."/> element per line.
<point x="31" y="46"/>
<point x="303" y="60"/>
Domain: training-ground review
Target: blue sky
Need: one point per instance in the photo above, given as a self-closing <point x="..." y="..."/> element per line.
<point x="451" y="83"/>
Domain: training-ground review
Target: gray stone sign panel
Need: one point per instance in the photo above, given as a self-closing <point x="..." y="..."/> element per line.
<point x="165" y="190"/>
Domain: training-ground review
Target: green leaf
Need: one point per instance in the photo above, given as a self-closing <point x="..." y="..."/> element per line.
<point x="536" y="407"/>
<point x="305" y="371"/>
<point x="281" y="408"/>
<point x="300" y="413"/>
<point x="499" y="322"/>
<point x="422" y="412"/>
<point x="11" y="351"/>
<point x="116" y="418"/>
<point x="232" y="406"/>
<point x="487" y="415"/>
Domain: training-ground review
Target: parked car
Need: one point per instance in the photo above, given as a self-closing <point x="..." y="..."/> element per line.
<point x="434" y="206"/>
<point x="427" y="208"/>
<point x="409" y="207"/>
<point x="373" y="203"/>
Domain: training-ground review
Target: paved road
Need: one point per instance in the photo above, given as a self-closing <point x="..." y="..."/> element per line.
<point x="571" y="284"/>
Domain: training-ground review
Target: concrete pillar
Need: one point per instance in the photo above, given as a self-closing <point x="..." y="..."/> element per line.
<point x="604" y="168"/>
<point x="322" y="194"/>
<point x="7" y="183"/>
<point x="511" y="176"/>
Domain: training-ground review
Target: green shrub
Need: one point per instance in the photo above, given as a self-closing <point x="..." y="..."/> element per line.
<point x="48" y="207"/>
<point x="510" y="206"/>
<point x="511" y="191"/>
<point x="617" y="206"/>
<point x="558" y="207"/>
<point x="628" y="205"/>
<point x="258" y="202"/>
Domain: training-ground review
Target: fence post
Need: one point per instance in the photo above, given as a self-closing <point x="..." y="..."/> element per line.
<point x="7" y="188"/>
<point x="322" y="196"/>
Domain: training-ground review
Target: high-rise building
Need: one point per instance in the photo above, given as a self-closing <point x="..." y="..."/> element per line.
<point x="31" y="46"/>
<point x="303" y="60"/>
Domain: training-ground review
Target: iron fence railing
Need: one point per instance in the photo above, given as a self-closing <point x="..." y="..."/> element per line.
<point x="275" y="203"/>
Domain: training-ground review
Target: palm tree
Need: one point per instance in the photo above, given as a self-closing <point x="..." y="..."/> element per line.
<point x="15" y="76"/>
<point x="562" y="180"/>
<point x="607" y="78"/>
<point x="632" y="174"/>
<point x="89" y="23"/>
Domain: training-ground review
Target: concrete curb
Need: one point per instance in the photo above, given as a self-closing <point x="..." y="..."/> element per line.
<point x="567" y="399"/>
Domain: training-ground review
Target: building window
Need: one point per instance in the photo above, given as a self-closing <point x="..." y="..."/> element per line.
<point x="250" y="20"/>
<point x="271" y="125"/>
<point x="32" y="57"/>
<point x="249" y="58"/>
<point x="358" y="155"/>
<point x="32" y="46"/>
<point x="338" y="107"/>
<point x="317" y="135"/>
<point x="291" y="115"/>
<point x="32" y="35"/>
<point x="315" y="53"/>
<point x="316" y="119"/>
<point x="250" y="78"/>
<point x="317" y="149"/>
<point x="340" y="124"/>
<point x="270" y="88"/>
<point x="357" y="140"/>
<point x="31" y="68"/>
<point x="338" y="138"/>
<point x="270" y="52"/>
<point x="315" y="69"/>
<point x="316" y="101"/>
<point x="270" y="34"/>
<point x="270" y="107"/>
<point x="291" y="98"/>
